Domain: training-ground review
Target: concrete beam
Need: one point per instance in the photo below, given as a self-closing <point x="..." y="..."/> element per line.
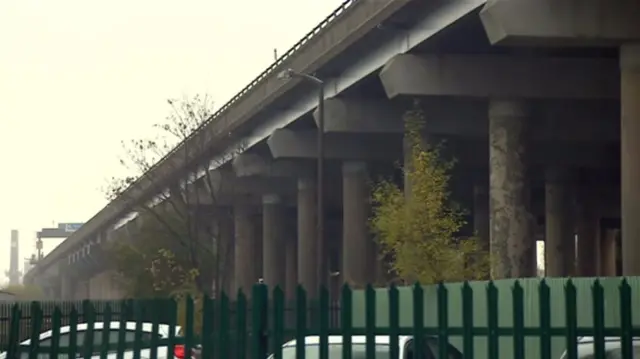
<point x="360" y="115"/>
<point x="582" y="121"/>
<point x="561" y="23"/>
<point x="286" y="143"/>
<point x="227" y="186"/>
<point x="501" y="76"/>
<point x="253" y="164"/>
<point x="463" y="117"/>
<point x="588" y="155"/>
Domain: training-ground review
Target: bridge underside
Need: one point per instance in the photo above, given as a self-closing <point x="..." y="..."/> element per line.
<point x="542" y="114"/>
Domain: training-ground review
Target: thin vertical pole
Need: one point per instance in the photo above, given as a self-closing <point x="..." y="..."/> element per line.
<point x="324" y="272"/>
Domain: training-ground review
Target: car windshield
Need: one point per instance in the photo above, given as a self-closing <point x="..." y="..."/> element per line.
<point x="335" y="352"/>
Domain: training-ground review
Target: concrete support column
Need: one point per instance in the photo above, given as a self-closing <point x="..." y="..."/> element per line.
<point x="291" y="252"/>
<point x="308" y="245"/>
<point x="481" y="226"/>
<point x="630" y="161"/>
<point x="226" y="257"/>
<point x="513" y="248"/>
<point x="66" y="287"/>
<point x="608" y="253"/>
<point x="247" y="249"/>
<point x="559" y="247"/>
<point x="358" y="247"/>
<point x="588" y="226"/>
<point x="274" y="235"/>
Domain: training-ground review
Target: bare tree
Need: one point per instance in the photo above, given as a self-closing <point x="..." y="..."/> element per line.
<point x="184" y="210"/>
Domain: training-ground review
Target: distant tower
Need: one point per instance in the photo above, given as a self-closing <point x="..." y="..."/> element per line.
<point x="14" y="267"/>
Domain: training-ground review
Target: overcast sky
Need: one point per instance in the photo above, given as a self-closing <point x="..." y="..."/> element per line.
<point x="77" y="77"/>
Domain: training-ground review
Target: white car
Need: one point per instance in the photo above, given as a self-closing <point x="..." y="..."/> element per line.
<point x="114" y="329"/>
<point x="358" y="345"/>
<point x="612" y="348"/>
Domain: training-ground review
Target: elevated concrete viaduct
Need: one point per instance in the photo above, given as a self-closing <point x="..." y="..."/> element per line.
<point x="538" y="100"/>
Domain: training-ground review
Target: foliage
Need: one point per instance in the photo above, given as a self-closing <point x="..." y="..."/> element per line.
<point x="418" y="230"/>
<point x="150" y="262"/>
<point x="25" y="292"/>
<point x="178" y="244"/>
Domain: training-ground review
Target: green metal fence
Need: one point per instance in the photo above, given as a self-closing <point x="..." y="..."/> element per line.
<point x="438" y="327"/>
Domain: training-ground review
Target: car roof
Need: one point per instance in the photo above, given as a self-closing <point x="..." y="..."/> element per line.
<point x="356" y="339"/>
<point x="589" y="339"/>
<point x="130" y="326"/>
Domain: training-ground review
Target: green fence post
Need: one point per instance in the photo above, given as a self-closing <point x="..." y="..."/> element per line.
<point x="89" y="314"/>
<point x="394" y="322"/>
<point x="104" y="342"/>
<point x="278" y="322"/>
<point x="208" y="327"/>
<point x="418" y="321"/>
<point x="73" y="331"/>
<point x="301" y="322"/>
<point x="172" y="307"/>
<point x="241" y="312"/>
<point x="443" y="321"/>
<point x="14" y="331"/>
<point x="259" y="307"/>
<point x="189" y="326"/>
<point x="626" y="319"/>
<point x="370" y="321"/>
<point x="598" y="319"/>
<point x="467" y="321"/>
<point x="517" y="295"/>
<point x="346" y="320"/>
<point x="138" y="314"/>
<point x="323" y="323"/>
<point x="122" y="328"/>
<point x="36" y="328"/>
<point x="156" y="310"/>
<point x="544" y="304"/>
<point x="571" y="320"/>
<point x="56" y="323"/>
<point x="224" y="336"/>
<point x="492" y="321"/>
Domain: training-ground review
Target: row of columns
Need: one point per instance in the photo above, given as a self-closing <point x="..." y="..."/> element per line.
<point x="510" y="229"/>
<point x="511" y="221"/>
<point x="281" y="257"/>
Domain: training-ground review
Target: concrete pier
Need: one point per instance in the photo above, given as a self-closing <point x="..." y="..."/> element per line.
<point x="357" y="243"/>
<point x="308" y="245"/>
<point x="559" y="234"/>
<point x="513" y="249"/>
<point x="608" y="253"/>
<point x="630" y="161"/>
<point x="481" y="226"/>
<point x="248" y="249"/>
<point x="291" y="253"/>
<point x="588" y="230"/>
<point x="226" y="259"/>
<point x="274" y="235"/>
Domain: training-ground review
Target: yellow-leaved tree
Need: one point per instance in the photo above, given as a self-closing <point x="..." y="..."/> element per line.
<point x="418" y="229"/>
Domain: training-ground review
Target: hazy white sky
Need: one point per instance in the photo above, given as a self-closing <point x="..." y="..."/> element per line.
<point x="78" y="76"/>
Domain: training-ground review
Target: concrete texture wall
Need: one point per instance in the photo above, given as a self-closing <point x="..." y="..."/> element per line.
<point x="512" y="231"/>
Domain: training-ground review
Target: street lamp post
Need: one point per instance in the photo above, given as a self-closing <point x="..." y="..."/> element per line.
<point x="323" y="269"/>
